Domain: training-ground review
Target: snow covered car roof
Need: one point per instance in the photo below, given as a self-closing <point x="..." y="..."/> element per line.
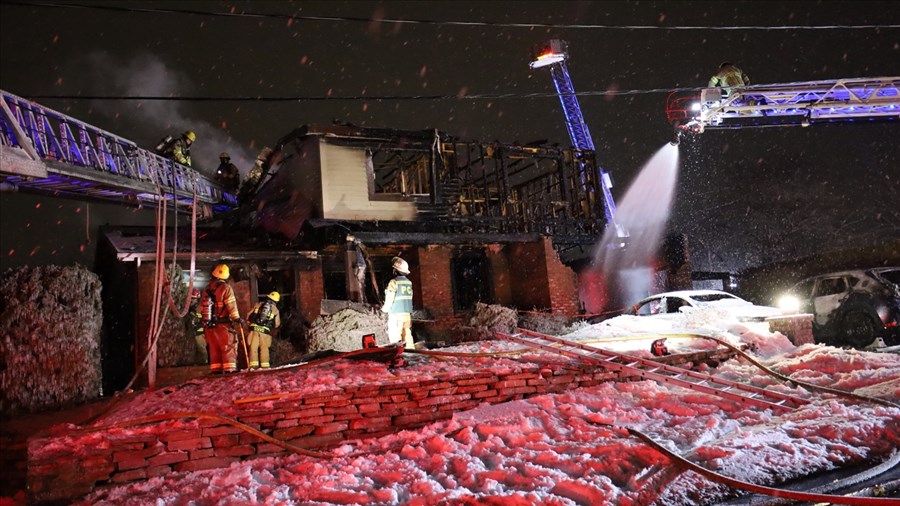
<point x="735" y="306"/>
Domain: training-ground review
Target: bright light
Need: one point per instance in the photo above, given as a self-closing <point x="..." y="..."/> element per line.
<point x="789" y="304"/>
<point x="548" y="58"/>
<point x="695" y="106"/>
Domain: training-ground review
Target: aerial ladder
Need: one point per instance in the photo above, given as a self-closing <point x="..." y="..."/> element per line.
<point x="46" y="151"/>
<point x="791" y="104"/>
<point x="553" y="56"/>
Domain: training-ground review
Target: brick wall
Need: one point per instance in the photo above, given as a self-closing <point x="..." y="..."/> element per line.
<point x="561" y="281"/>
<point x="539" y="279"/>
<point x="66" y="465"/>
<point x="528" y="275"/>
<point x="435" y="282"/>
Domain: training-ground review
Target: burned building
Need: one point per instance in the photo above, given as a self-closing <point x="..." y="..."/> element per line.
<point x="477" y="222"/>
<point x="471" y="218"/>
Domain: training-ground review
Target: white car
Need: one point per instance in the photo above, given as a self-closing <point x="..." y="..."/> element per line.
<point x="672" y="303"/>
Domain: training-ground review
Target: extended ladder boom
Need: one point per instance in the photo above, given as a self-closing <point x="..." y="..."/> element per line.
<point x="800" y="104"/>
<point x="47" y="151"/>
<point x="555" y="57"/>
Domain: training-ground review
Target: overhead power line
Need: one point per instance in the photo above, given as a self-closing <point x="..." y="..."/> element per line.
<point x="298" y="17"/>
<point x="371" y="98"/>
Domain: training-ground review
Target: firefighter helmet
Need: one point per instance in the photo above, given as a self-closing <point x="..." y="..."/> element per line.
<point x="195" y="293"/>
<point x="225" y="155"/>
<point x="221" y="272"/>
<point x="400" y="265"/>
<point x="190" y="135"/>
<point x="275" y="296"/>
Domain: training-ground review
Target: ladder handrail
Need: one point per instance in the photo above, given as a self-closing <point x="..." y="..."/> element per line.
<point x="646" y="368"/>
<point x="57" y="137"/>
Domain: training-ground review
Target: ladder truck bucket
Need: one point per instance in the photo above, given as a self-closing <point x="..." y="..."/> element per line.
<point x="554" y="51"/>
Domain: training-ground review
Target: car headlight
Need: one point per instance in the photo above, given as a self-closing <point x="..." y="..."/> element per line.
<point x="789" y="304"/>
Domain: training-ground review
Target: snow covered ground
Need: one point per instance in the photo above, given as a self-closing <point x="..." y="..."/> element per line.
<point x="559" y="449"/>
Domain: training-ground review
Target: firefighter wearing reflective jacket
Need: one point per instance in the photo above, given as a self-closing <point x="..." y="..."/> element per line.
<point x="727" y="76"/>
<point x="264" y="319"/>
<point x="179" y="149"/>
<point x="398" y="305"/>
<point x="220" y="314"/>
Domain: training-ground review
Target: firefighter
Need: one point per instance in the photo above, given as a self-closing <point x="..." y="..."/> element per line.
<point x="220" y="315"/>
<point x="264" y="319"/>
<point x="181" y="148"/>
<point x="195" y="321"/>
<point x="398" y="304"/>
<point x="260" y="167"/>
<point x="727" y="76"/>
<point x="227" y="174"/>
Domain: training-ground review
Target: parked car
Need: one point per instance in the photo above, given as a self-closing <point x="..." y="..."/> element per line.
<point x="850" y="307"/>
<point x="669" y="304"/>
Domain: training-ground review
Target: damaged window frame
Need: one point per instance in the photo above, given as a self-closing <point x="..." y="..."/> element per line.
<point x="407" y="170"/>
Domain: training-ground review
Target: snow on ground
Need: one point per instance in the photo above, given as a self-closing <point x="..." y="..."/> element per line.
<point x="557" y="449"/>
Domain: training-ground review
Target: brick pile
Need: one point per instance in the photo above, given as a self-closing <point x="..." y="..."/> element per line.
<point x="72" y="463"/>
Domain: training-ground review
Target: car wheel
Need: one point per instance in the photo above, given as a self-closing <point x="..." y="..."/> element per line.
<point x="858" y="329"/>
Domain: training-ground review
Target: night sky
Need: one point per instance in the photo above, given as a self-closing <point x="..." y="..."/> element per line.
<point x="745" y="197"/>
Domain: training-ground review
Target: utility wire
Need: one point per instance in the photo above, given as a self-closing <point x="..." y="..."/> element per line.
<point x="374" y="98"/>
<point x="433" y="22"/>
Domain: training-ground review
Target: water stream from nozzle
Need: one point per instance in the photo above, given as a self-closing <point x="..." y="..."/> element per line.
<point x="642" y="213"/>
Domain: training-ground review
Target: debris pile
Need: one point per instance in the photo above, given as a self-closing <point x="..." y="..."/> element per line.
<point x="343" y="331"/>
<point x="553" y="325"/>
<point x="495" y="318"/>
<point x="486" y="320"/>
<point x="50" y="329"/>
<point x="283" y="352"/>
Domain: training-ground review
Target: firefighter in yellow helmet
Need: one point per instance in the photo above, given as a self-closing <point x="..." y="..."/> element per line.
<point x="727" y="76"/>
<point x="181" y="148"/>
<point x="220" y="314"/>
<point x="264" y="320"/>
<point x="398" y="304"/>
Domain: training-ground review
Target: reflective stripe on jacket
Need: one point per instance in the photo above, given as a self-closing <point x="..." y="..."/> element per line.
<point x="398" y="296"/>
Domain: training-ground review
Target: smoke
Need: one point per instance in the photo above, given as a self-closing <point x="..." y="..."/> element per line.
<point x="151" y="120"/>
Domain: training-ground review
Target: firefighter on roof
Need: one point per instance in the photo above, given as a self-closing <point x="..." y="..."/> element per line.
<point x="398" y="305"/>
<point x="264" y="319"/>
<point x="227" y="174"/>
<point x="220" y="316"/>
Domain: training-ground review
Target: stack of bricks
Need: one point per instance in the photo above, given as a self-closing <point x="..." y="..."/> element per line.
<point x="71" y="463"/>
<point x="796" y="327"/>
<point x="67" y="465"/>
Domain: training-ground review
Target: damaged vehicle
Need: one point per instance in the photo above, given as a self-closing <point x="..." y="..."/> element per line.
<point x="850" y="308"/>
